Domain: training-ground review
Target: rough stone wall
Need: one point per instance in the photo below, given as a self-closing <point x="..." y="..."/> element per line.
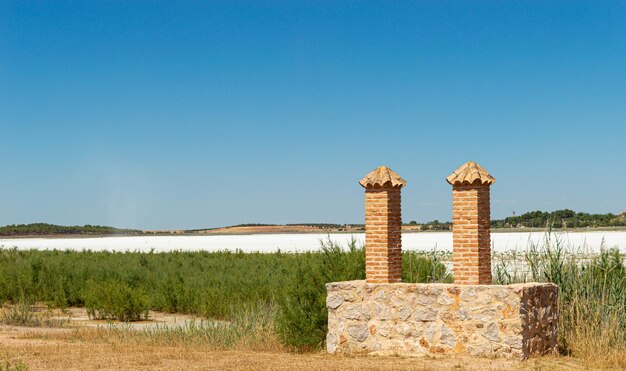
<point x="471" y="234"/>
<point x="537" y="311"/>
<point x="417" y="319"/>
<point x="383" y="235"/>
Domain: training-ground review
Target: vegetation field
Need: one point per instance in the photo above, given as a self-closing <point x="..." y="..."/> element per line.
<point x="276" y="301"/>
<point x="218" y="285"/>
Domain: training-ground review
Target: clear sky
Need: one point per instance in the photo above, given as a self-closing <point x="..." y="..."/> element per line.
<point x="190" y="114"/>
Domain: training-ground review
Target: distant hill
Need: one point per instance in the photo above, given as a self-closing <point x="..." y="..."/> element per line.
<point x="43" y="229"/>
<point x="255" y="228"/>
<point x="534" y="219"/>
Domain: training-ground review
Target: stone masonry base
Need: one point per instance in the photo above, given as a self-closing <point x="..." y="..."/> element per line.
<point x="512" y="321"/>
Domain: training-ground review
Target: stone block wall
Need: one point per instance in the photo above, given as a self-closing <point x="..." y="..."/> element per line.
<point x="418" y="319"/>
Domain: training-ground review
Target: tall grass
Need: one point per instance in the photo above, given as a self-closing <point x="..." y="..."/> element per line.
<point x="250" y="328"/>
<point x="592" y="297"/>
<point x="9" y="364"/>
<point x="25" y="313"/>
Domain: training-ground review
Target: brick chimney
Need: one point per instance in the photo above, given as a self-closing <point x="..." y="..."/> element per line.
<point x="471" y="224"/>
<point x="383" y="226"/>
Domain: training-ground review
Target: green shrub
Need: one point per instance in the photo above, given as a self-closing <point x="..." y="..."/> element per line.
<point x="116" y="300"/>
<point x="303" y="318"/>
<point x="424" y="268"/>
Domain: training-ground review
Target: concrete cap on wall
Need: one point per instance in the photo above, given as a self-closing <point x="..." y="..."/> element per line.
<point x="470" y="173"/>
<point x="382" y="177"/>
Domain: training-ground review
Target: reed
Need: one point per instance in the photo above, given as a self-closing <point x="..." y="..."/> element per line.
<point x="592" y="296"/>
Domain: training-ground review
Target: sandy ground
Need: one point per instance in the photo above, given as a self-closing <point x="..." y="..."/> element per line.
<point x="50" y="354"/>
<point x="78" y="317"/>
<point x="76" y="346"/>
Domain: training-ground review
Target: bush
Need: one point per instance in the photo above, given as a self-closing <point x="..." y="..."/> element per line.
<point x="424" y="268"/>
<point x="115" y="300"/>
<point x="303" y="317"/>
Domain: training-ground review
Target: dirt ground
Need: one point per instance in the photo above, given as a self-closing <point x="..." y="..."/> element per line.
<point x="78" y="345"/>
<point x="39" y="354"/>
<point x="63" y="349"/>
<point x="78" y="317"/>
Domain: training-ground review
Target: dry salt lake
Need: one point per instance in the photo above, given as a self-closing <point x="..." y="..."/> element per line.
<point x="580" y="242"/>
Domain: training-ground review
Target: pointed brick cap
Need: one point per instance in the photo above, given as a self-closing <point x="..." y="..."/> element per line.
<point x="382" y="177"/>
<point x="470" y="173"/>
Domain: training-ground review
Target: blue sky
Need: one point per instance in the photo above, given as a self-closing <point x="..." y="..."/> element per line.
<point x="198" y="114"/>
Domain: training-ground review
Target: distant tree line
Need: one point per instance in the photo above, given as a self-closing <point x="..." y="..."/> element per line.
<point x="52" y="229"/>
<point x="434" y="225"/>
<point x="540" y="219"/>
<point x="561" y="219"/>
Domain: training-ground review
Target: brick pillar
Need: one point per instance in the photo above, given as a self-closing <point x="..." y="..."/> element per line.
<point x="471" y="224"/>
<point x="383" y="226"/>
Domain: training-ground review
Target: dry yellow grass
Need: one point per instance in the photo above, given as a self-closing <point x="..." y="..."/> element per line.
<point x="90" y="349"/>
<point x="173" y="346"/>
<point x="596" y="338"/>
